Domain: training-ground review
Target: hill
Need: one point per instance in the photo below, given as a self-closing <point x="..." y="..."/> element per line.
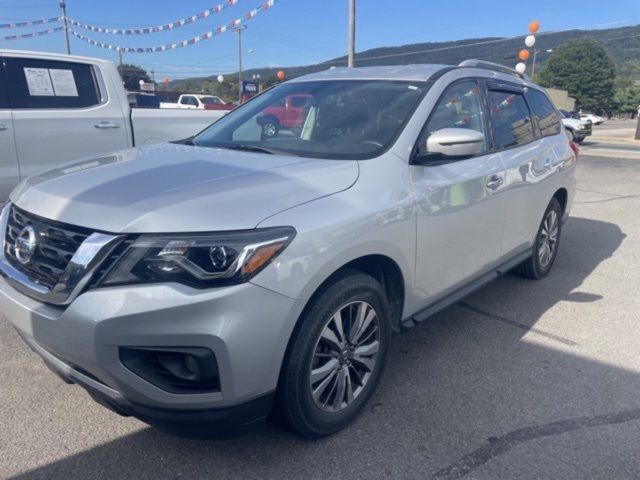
<point x="623" y="44"/>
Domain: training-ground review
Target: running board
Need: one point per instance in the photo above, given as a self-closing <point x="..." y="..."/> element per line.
<point x="468" y="289"/>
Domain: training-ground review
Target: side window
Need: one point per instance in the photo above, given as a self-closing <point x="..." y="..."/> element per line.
<point x="544" y="112"/>
<point x="46" y="84"/>
<point x="510" y="122"/>
<point x="459" y="107"/>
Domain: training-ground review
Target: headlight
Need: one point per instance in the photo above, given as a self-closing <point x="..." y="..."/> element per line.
<point x="199" y="260"/>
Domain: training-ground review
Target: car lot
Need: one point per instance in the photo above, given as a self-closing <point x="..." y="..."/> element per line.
<point x="521" y="380"/>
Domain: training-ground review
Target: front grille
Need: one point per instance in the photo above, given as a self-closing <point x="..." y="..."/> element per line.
<point x="55" y="245"/>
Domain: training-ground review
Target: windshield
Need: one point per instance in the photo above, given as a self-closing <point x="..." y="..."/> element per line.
<point x="210" y="100"/>
<point x="338" y="119"/>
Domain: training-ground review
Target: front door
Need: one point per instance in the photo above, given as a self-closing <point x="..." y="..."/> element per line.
<point x="460" y="211"/>
<point x="60" y="113"/>
<point x="9" y="172"/>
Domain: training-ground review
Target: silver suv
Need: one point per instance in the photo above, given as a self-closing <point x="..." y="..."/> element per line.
<point x="208" y="283"/>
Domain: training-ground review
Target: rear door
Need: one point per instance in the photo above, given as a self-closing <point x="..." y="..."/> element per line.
<point x="529" y="160"/>
<point x="459" y="203"/>
<point x="61" y="112"/>
<point x="9" y="172"/>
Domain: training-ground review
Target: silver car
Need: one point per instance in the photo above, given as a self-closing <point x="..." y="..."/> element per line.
<point x="208" y="283"/>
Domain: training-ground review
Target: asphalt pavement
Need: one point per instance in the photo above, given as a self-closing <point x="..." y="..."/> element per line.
<point x="522" y="380"/>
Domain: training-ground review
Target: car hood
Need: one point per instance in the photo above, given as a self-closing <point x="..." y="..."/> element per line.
<point x="178" y="188"/>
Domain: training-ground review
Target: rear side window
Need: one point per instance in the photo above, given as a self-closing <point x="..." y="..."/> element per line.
<point x="46" y="84"/>
<point x="544" y="112"/>
<point x="4" y="103"/>
<point x="510" y="122"/>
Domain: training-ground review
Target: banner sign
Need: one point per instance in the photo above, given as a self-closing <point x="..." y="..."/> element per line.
<point x="184" y="43"/>
<point x="157" y="28"/>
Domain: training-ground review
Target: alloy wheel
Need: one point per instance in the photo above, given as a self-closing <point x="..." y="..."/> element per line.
<point x="548" y="241"/>
<point x="345" y="356"/>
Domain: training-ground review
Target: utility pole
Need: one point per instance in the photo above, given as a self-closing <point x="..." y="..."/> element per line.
<point x="63" y="6"/>
<point x="239" y="29"/>
<point x="352" y="33"/>
<point x="120" y="56"/>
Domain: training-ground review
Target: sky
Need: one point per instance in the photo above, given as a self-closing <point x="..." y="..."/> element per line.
<point x="299" y="32"/>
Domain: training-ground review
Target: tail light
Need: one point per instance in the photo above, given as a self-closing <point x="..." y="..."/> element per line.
<point x="576" y="149"/>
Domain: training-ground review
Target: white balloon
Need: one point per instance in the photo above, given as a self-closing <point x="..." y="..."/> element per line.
<point x="220" y="78"/>
<point x="530" y="40"/>
<point x="521" y="67"/>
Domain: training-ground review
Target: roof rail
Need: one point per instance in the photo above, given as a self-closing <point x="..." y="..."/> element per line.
<point x="491" y="66"/>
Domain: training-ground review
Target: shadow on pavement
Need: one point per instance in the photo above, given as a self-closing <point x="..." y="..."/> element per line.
<point x="458" y="391"/>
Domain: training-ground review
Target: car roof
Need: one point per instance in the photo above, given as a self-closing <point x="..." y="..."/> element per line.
<point x="414" y="73"/>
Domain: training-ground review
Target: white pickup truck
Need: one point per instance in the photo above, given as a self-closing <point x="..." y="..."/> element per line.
<point x="197" y="102"/>
<point x="57" y="108"/>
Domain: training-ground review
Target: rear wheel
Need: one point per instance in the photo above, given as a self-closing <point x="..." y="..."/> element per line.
<point x="545" y="247"/>
<point x="336" y="356"/>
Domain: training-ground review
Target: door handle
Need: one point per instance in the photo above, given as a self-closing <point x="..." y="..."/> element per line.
<point x="494" y="181"/>
<point x="107" y="125"/>
<point x="3" y="127"/>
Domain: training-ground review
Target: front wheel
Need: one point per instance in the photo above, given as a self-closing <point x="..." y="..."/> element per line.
<point x="545" y="247"/>
<point x="336" y="356"/>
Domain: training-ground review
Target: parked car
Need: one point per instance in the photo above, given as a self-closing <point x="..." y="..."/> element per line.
<point x="57" y="108"/>
<point x="143" y="100"/>
<point x="209" y="282"/>
<point x="577" y="129"/>
<point x="289" y="113"/>
<point x="594" y="119"/>
<point x="197" y="102"/>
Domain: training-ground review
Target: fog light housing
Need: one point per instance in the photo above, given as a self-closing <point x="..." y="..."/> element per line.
<point x="174" y="369"/>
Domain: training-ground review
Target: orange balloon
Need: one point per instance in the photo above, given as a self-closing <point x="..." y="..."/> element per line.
<point x="165" y="80"/>
<point x="523" y="54"/>
<point x="534" y="26"/>
<point x="281" y="75"/>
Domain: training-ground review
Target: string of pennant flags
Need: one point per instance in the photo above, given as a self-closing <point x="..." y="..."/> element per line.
<point x="158" y="28"/>
<point x="32" y="34"/>
<point x="30" y="23"/>
<point x="184" y="43"/>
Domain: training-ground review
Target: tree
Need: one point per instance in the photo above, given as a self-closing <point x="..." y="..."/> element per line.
<point x="627" y="99"/>
<point x="586" y="71"/>
<point x="132" y="74"/>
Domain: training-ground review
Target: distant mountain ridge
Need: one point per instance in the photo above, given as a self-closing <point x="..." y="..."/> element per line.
<point x="622" y="43"/>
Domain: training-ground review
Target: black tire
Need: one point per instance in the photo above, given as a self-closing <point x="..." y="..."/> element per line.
<point x="534" y="267"/>
<point x="270" y="127"/>
<point x="579" y="140"/>
<point x="295" y="403"/>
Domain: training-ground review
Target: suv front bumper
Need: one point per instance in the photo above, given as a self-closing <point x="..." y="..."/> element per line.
<point x="247" y="327"/>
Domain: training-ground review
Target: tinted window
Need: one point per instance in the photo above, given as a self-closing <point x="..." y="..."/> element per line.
<point x="546" y="115"/>
<point x="510" y="122"/>
<point x="35" y="83"/>
<point x="3" y="88"/>
<point x="189" y="101"/>
<point x="459" y="107"/>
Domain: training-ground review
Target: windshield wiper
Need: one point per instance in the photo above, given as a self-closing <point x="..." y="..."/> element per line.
<point x="250" y="148"/>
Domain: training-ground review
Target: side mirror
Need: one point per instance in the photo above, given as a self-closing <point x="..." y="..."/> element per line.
<point x="454" y="143"/>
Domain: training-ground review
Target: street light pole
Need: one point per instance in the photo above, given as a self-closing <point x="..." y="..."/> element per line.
<point x="352" y="33"/>
<point x="533" y="65"/>
<point x="63" y="6"/>
<point x="239" y="29"/>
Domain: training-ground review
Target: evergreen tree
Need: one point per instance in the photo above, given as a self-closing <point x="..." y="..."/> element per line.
<point x="586" y="71"/>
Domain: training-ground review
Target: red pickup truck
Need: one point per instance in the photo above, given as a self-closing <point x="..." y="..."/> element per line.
<point x="287" y="114"/>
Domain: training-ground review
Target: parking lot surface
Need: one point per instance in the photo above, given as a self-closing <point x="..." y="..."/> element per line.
<point x="521" y="380"/>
